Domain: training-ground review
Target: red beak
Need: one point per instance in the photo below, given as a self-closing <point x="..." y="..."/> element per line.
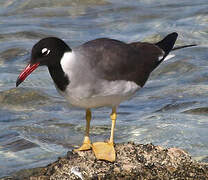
<point x="27" y="71"/>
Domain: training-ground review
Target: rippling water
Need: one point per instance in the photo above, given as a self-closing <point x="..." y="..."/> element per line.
<point x="37" y="126"/>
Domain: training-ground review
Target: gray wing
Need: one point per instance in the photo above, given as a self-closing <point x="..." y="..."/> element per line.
<point x="115" y="60"/>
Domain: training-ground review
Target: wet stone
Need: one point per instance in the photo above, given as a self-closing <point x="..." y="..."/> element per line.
<point x="153" y="38"/>
<point x="134" y="161"/>
<point x="205" y="159"/>
<point x="198" y="111"/>
<point x="27" y="173"/>
<point x="23" y="34"/>
<point x="12" y="53"/>
<point x="174" y="68"/>
<point x="22" y="97"/>
<point x="18" y="145"/>
<point x="56" y="3"/>
<point x="176" y="106"/>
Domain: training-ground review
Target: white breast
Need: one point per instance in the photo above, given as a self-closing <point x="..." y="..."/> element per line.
<point x="67" y="62"/>
<point x="88" y="91"/>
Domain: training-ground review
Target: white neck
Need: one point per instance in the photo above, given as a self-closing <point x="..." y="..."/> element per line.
<point x="67" y="62"/>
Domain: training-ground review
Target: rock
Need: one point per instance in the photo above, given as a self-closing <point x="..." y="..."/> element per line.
<point x="174" y="68"/>
<point x="177" y="106"/>
<point x="153" y="38"/>
<point x="197" y="111"/>
<point x="26" y="174"/>
<point x="133" y="162"/>
<point x="18" y="144"/>
<point x="22" y="98"/>
<point x="205" y="159"/>
<point x="11" y="53"/>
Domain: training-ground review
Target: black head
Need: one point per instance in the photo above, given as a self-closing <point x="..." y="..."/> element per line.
<point x="48" y="51"/>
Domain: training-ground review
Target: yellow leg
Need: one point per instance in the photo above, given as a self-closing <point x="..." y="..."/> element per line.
<point x="86" y="143"/>
<point x="105" y="150"/>
<point x="113" y="118"/>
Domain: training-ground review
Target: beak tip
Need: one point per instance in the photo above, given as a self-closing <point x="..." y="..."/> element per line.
<point x="27" y="71"/>
<point x="18" y="82"/>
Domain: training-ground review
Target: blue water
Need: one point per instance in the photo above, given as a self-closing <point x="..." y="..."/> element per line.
<point x="34" y="132"/>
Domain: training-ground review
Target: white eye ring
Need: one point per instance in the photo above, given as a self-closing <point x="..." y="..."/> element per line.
<point x="45" y="51"/>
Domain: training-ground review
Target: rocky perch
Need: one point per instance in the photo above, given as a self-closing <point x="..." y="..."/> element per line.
<point x="133" y="162"/>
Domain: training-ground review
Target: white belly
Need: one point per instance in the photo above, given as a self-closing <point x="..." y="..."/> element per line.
<point x="105" y="93"/>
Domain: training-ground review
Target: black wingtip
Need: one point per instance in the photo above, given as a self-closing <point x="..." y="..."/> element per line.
<point x="174" y="34"/>
<point x="168" y="42"/>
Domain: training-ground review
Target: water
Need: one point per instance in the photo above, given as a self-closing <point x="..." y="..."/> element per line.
<point x="37" y="126"/>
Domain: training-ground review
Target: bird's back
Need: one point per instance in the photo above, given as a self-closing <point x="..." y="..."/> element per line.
<point x="115" y="60"/>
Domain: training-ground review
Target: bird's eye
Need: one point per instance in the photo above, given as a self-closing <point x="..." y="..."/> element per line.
<point x="45" y="51"/>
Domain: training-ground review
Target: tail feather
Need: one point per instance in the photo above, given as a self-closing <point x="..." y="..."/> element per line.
<point x="167" y="43"/>
<point x="181" y="47"/>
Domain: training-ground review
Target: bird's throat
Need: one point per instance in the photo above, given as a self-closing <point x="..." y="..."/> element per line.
<point x="59" y="77"/>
